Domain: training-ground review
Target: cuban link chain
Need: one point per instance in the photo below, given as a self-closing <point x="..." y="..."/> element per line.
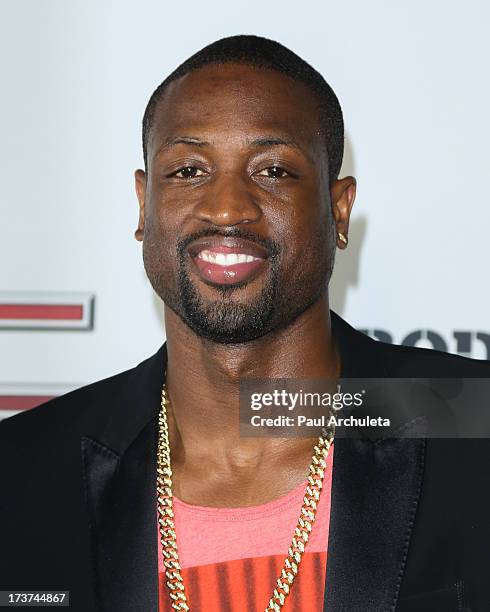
<point x="300" y="538"/>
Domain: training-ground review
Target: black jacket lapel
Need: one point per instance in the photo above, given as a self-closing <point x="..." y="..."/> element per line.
<point x="375" y="490"/>
<point x="120" y="489"/>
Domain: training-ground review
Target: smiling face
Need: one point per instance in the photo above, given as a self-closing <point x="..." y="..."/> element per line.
<point x="235" y="210"/>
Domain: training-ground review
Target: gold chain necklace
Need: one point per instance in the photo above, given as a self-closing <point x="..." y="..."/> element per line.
<point x="168" y="537"/>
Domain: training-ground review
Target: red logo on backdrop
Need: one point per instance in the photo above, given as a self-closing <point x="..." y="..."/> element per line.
<point x="40" y="311"/>
<point x="46" y="310"/>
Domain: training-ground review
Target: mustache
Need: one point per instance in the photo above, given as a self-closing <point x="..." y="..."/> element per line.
<point x="268" y="243"/>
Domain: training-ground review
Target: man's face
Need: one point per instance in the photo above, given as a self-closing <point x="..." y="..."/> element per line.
<point x="236" y="221"/>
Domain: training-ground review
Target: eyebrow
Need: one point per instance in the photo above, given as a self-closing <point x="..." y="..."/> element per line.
<point x="273" y="141"/>
<point x="190" y="140"/>
<point x="266" y="141"/>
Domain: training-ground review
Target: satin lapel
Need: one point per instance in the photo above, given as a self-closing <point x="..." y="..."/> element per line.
<point x="119" y="473"/>
<point x="375" y="490"/>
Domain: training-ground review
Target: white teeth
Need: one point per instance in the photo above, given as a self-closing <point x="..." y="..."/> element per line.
<point x="226" y="259"/>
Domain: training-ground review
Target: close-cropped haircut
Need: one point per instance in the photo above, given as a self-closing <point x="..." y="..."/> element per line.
<point x="264" y="53"/>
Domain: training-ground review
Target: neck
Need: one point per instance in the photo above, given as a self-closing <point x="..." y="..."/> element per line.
<point x="203" y="376"/>
<point x="212" y="463"/>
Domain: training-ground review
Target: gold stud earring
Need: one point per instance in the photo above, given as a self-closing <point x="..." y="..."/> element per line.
<point x="342" y="238"/>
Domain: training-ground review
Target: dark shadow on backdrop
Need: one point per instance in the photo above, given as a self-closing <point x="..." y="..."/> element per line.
<point x="347" y="263"/>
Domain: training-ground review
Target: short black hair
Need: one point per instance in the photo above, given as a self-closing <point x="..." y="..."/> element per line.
<point x="264" y="53"/>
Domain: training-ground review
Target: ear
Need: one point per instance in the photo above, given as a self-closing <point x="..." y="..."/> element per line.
<point x="342" y="195"/>
<point x="140" y="185"/>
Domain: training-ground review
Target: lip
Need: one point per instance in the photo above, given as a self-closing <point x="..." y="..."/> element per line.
<point x="234" y="274"/>
<point x="227" y="244"/>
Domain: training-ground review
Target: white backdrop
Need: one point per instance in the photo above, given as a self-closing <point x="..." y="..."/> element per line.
<point x="76" y="76"/>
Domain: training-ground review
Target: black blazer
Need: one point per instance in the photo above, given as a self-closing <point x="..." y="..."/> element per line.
<point x="409" y="526"/>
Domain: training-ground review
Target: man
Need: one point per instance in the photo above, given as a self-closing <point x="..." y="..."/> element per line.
<point x="241" y="210"/>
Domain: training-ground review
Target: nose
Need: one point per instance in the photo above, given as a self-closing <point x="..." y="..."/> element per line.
<point x="228" y="201"/>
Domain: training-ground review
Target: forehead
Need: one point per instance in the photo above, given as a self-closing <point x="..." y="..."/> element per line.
<point x="220" y="101"/>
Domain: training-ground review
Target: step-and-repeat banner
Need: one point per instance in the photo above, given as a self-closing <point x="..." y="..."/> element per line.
<point x="75" y="305"/>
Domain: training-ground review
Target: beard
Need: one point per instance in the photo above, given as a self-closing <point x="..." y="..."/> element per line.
<point x="228" y="319"/>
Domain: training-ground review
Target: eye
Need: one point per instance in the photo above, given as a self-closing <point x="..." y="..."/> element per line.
<point x="188" y="172"/>
<point x="274" y="172"/>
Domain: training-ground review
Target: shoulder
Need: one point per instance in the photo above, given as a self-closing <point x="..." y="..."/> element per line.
<point x="80" y="412"/>
<point x="75" y="410"/>
<point x="376" y="359"/>
<point x="114" y="406"/>
<point x="406" y="361"/>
